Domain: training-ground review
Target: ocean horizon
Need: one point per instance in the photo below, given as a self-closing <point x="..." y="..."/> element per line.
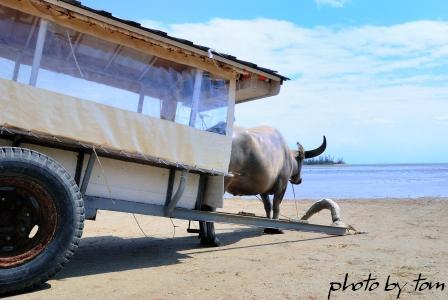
<point x="353" y="181"/>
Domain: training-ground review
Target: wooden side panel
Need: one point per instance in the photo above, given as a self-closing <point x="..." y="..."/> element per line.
<point x="122" y="180"/>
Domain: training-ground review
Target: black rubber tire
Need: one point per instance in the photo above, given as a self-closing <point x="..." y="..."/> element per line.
<point x="25" y="163"/>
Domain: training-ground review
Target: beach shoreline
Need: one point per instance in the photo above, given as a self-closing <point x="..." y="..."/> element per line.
<point x="405" y="238"/>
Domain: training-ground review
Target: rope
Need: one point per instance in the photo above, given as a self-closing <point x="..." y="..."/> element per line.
<point x="103" y="172"/>
<point x="138" y="224"/>
<point x="288" y="218"/>
<point x="174" y="227"/>
<point x="353" y="230"/>
<point x="110" y="190"/>
<point x="73" y="54"/>
<point x="295" y="201"/>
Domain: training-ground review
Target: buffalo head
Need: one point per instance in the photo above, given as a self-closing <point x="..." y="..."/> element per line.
<point x="300" y="155"/>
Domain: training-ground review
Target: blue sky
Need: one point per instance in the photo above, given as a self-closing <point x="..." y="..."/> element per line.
<point x="301" y="12"/>
<point x="370" y="75"/>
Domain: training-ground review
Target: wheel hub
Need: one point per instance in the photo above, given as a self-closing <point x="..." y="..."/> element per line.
<point x="27" y="220"/>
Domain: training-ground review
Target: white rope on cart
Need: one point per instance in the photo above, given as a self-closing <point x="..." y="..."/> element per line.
<point x="103" y="172"/>
<point x="73" y="54"/>
<point x="110" y="194"/>
<point x="295" y="201"/>
<point x="110" y="190"/>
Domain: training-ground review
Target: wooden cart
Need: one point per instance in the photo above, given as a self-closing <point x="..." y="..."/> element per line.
<point x="98" y="112"/>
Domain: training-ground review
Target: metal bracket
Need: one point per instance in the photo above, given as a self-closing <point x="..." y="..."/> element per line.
<point x="17" y="140"/>
<point x="87" y="174"/>
<point x="169" y="189"/>
<point x="79" y="165"/>
<point x="169" y="208"/>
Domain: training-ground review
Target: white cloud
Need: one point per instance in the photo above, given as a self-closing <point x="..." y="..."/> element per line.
<point x="332" y="3"/>
<point x="323" y="50"/>
<point x="441" y="118"/>
<point x="365" y="87"/>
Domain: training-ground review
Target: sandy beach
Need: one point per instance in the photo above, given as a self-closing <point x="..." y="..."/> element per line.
<point x="405" y="238"/>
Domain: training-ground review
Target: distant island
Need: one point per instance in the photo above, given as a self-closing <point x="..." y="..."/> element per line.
<point x="324" y="160"/>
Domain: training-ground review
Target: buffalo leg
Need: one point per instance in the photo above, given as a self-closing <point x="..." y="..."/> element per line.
<point x="278" y="197"/>
<point x="268" y="209"/>
<point x="267" y="205"/>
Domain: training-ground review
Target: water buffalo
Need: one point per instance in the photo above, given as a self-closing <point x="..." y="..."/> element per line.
<point x="262" y="164"/>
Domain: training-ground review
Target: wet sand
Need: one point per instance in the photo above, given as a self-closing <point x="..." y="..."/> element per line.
<point x="405" y="237"/>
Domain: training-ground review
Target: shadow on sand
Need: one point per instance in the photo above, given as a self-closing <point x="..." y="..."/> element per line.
<point x="105" y="254"/>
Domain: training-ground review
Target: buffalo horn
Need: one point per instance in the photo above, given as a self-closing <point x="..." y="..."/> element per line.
<point x="317" y="151"/>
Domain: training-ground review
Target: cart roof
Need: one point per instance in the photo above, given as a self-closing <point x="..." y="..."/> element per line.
<point x="183" y="43"/>
<point x="253" y="81"/>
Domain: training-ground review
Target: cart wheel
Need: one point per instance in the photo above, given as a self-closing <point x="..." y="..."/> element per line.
<point x="41" y="218"/>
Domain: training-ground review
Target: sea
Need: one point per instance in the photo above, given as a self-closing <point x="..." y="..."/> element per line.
<point x="371" y="181"/>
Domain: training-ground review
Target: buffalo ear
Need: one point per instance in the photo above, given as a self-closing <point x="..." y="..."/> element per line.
<point x="298" y="150"/>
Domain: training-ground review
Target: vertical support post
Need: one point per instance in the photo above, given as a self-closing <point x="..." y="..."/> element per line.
<point x="15" y="75"/>
<point x="79" y="165"/>
<point x="203" y="233"/>
<point x="38" y="51"/>
<point x="201" y="192"/>
<point x="87" y="174"/>
<point x="169" y="189"/>
<point x="231" y="107"/>
<point x="206" y="229"/>
<point x="141" y="100"/>
<point x="196" y="97"/>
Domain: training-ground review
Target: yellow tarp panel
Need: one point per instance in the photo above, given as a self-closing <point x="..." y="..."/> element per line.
<point x="43" y="112"/>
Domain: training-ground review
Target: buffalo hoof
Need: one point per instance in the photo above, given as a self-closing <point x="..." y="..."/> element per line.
<point x="273" y="231"/>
